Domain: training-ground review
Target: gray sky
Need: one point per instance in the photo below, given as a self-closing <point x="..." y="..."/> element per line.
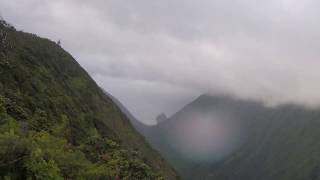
<point x="155" y="56"/>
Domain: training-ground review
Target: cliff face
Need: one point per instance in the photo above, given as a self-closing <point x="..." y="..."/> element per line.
<point x="55" y="122"/>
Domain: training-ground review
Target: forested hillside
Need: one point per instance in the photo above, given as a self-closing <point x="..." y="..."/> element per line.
<point x="56" y="123"/>
<point x="278" y="143"/>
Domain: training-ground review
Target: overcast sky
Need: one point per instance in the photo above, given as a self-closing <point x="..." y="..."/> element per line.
<point x="157" y="55"/>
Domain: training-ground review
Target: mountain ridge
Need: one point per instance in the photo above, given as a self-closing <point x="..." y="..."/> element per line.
<point x="273" y="142"/>
<point x="48" y="101"/>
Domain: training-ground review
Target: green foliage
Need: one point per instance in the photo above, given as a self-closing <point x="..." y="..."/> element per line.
<point x="43" y="170"/>
<point x="39" y="121"/>
<point x="56" y="123"/>
<point x="41" y="155"/>
<point x="120" y="162"/>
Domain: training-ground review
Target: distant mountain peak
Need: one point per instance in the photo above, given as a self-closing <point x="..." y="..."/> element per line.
<point x="225" y="137"/>
<point x="161" y="118"/>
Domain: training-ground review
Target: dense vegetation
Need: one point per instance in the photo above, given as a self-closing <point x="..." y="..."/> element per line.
<point x="278" y="143"/>
<point x="56" y="123"/>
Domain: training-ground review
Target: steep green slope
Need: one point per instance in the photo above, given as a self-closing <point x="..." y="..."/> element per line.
<point x="281" y="143"/>
<point x="278" y="143"/>
<point x="154" y="136"/>
<point x="55" y="122"/>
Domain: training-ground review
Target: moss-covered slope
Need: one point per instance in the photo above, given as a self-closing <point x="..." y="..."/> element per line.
<point x="55" y="122"/>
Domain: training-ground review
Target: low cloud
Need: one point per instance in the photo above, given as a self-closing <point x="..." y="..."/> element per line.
<point x="266" y="50"/>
